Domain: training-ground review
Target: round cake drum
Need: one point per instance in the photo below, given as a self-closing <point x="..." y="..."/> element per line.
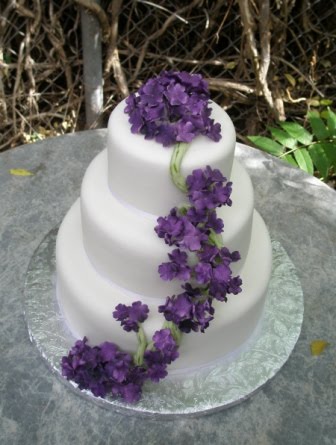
<point x="194" y="392"/>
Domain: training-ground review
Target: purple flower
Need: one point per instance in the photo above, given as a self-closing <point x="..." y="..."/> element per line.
<point x="177" y="107"/>
<point x="235" y="285"/>
<point x="203" y="313"/>
<point x="227" y="257"/>
<point x="166" y="134"/>
<point x="130" y="392"/>
<point x="193" y="292"/>
<point x="208" y="253"/>
<point x="222" y="273"/>
<point x="165" y="352"/>
<point x="220" y="288"/>
<point x="208" y="189"/>
<point x="131" y="316"/>
<point x="177" y="308"/>
<point x="157" y="372"/>
<point x="197" y="216"/>
<point x="188" y="313"/>
<point x="214" y="223"/>
<point x="176" y="268"/>
<point x="178" y="230"/>
<point x="165" y="343"/>
<point x="176" y="94"/>
<point x="203" y="272"/>
<point x="222" y="194"/>
<point x="192" y="237"/>
<point x="163" y="340"/>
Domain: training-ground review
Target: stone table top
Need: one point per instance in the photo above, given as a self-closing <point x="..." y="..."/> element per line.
<point x="297" y="407"/>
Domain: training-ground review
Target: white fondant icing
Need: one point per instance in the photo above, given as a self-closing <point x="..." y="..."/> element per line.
<point x="135" y="163"/>
<point x="88" y="300"/>
<point x="120" y="240"/>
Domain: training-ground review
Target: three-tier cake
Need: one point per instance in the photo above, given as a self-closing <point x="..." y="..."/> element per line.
<point x="108" y="253"/>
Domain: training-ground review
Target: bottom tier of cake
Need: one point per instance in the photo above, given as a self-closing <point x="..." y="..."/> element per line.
<point x="87" y="300"/>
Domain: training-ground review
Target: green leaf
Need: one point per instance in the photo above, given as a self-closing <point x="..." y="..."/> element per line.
<point x="324" y="114"/>
<point x="320" y="159"/>
<point x="282" y="137"/>
<point x="297" y="132"/>
<point x="267" y="144"/>
<point x="331" y="122"/>
<point x="330" y="150"/>
<point x="289" y="158"/>
<point x="290" y="79"/>
<point x="304" y="160"/>
<point x="231" y="65"/>
<point x="313" y="102"/>
<point x="326" y="102"/>
<point x="317" y="124"/>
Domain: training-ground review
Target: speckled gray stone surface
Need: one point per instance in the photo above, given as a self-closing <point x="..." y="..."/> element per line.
<point x="297" y="407"/>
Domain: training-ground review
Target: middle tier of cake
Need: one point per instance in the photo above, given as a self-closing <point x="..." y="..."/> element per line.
<point x="122" y="245"/>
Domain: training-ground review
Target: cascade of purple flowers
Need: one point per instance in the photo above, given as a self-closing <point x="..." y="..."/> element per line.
<point x="194" y="229"/>
<point x="170" y="108"/>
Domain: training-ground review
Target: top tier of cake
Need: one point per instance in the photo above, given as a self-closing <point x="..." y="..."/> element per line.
<point x="138" y="168"/>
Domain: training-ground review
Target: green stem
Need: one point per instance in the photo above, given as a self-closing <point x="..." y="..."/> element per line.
<point x="216" y="239"/>
<point x="180" y="150"/>
<point x="176" y="333"/>
<point x="142" y="345"/>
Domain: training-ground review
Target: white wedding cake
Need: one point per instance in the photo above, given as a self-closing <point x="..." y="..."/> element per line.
<point x="108" y="253"/>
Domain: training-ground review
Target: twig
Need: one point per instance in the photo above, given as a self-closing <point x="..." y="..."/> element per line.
<point x="24" y="11"/>
<point x="220" y="84"/>
<point x="58" y="43"/>
<point x="265" y="59"/>
<point x="159" y="32"/>
<point x="216" y="36"/>
<point x="17" y="80"/>
<point x="112" y="59"/>
<point x="306" y="78"/>
<point x="155" y="5"/>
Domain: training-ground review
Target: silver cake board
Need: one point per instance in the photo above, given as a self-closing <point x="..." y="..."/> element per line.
<point x="199" y="391"/>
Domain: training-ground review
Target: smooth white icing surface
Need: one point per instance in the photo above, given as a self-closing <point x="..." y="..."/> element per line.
<point x="122" y="245"/>
<point x="135" y="163"/>
<point x="88" y="300"/>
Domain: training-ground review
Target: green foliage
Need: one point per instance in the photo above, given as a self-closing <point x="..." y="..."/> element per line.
<point x="311" y="149"/>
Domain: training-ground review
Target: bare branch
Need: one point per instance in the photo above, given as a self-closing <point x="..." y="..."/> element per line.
<point x="221" y="84"/>
<point x="112" y="59"/>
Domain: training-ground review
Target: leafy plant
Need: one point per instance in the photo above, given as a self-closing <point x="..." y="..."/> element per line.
<point x="312" y="148"/>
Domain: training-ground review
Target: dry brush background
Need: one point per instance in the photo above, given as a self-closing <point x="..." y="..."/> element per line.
<point x="264" y="60"/>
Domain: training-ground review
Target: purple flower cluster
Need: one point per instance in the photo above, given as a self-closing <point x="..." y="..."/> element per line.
<point x="195" y="229"/>
<point x="188" y="311"/>
<point x="131" y="316"/>
<point x="164" y="353"/>
<point x="106" y="370"/>
<point x="172" y="107"/>
<point x="177" y="229"/>
<point x="103" y="369"/>
<point x="208" y="189"/>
